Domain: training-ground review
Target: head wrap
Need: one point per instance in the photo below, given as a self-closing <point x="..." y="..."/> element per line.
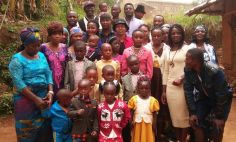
<point x="200" y="27"/>
<point x="75" y="30"/>
<point x="29" y="35"/>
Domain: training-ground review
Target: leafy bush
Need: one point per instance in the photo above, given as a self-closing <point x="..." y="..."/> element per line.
<point x="6" y="104"/>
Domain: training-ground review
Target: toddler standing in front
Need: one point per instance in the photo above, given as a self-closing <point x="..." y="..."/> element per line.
<point x="144" y="108"/>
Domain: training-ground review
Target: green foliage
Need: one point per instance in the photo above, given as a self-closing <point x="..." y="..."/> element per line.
<point x="5" y="54"/>
<point x="6" y="104"/>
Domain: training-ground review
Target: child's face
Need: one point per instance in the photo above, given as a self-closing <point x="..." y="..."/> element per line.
<point x="144" y="89"/>
<point x="134" y="65"/>
<point x="106" y="23"/>
<point x="92" y="76"/>
<point x="115" y="46"/>
<point x="92" y="29"/>
<point x="84" y="88"/>
<point x="109" y="74"/>
<point x="65" y="100"/>
<point x="138" y="37"/>
<point x="80" y="52"/>
<point x="145" y="30"/>
<point x="76" y="37"/>
<point x="157" y="36"/>
<point x="106" y="51"/>
<point x="93" y="42"/>
<point x="103" y="7"/>
<point x="109" y="93"/>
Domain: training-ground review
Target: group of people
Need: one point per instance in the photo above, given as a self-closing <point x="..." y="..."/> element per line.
<point x="105" y="78"/>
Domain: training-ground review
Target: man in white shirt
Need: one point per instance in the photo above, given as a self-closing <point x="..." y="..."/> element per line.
<point x="133" y="22"/>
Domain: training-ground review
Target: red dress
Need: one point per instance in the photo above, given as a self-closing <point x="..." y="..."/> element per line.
<point x="112" y="121"/>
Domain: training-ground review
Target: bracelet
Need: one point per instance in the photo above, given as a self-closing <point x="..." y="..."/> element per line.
<point x="51" y="92"/>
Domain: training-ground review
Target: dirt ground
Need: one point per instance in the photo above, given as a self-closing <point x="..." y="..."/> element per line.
<point x="7" y="130"/>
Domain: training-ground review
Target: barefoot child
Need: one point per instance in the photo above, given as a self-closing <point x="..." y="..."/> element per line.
<point x="145" y="108"/>
<point x="113" y="115"/>
<point x="83" y="112"/>
<point x="61" y="123"/>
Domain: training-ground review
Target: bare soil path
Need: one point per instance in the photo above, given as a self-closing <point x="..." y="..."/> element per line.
<point x="7" y="130"/>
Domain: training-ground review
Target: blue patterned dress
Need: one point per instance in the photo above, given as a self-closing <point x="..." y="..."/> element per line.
<point x="35" y="75"/>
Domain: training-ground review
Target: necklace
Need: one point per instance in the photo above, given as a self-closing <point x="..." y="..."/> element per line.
<point x="172" y="60"/>
<point x="159" y="50"/>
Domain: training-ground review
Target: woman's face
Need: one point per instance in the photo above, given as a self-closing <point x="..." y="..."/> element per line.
<point x="120" y="29"/>
<point x="138" y="37"/>
<point x="56" y="37"/>
<point x="32" y="48"/>
<point x="92" y="29"/>
<point x="200" y="34"/>
<point x="76" y="37"/>
<point x="115" y="46"/>
<point x="176" y="35"/>
<point x="157" y="36"/>
<point x="145" y="30"/>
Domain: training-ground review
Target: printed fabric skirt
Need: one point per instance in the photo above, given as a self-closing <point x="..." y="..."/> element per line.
<point x="30" y="125"/>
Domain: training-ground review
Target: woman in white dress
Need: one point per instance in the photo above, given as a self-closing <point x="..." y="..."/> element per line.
<point x="173" y="74"/>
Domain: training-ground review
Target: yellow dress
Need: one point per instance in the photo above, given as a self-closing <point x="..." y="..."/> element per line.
<point x="143" y="118"/>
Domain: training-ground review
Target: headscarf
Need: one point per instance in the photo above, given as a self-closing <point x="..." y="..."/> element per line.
<point x="200" y="27"/>
<point x="75" y="30"/>
<point x="28" y="36"/>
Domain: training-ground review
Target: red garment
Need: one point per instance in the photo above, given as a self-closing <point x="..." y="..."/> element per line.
<point x="128" y="41"/>
<point x="145" y="60"/>
<point x="112" y="119"/>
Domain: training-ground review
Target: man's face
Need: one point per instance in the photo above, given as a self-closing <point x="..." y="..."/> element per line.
<point x="129" y="11"/>
<point x="72" y="18"/>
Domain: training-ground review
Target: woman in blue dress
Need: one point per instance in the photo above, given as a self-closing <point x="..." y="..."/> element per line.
<point x="32" y="79"/>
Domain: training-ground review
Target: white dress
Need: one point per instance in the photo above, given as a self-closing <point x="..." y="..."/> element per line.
<point x="175" y="94"/>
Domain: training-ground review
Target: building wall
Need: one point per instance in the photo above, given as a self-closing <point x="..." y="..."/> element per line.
<point x="229" y="37"/>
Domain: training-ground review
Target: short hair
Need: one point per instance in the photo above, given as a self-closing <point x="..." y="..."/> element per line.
<point x="196" y="54"/>
<point x="156" y="28"/>
<point x="95" y="22"/>
<point x="137" y="30"/>
<point x="128" y="4"/>
<point x="117" y="6"/>
<point x="131" y="57"/>
<point x="145" y="25"/>
<point x="105" y="15"/>
<point x="63" y="93"/>
<point x="93" y="67"/>
<point x="181" y="29"/>
<point x="142" y="79"/>
<point x="104" y="44"/>
<point x="94" y="36"/>
<point x="79" y="44"/>
<point x="159" y="16"/>
<point x="54" y="27"/>
<point x="101" y="3"/>
<point x="106" y="67"/>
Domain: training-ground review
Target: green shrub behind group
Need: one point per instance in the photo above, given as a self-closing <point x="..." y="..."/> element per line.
<point x="6" y="104"/>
